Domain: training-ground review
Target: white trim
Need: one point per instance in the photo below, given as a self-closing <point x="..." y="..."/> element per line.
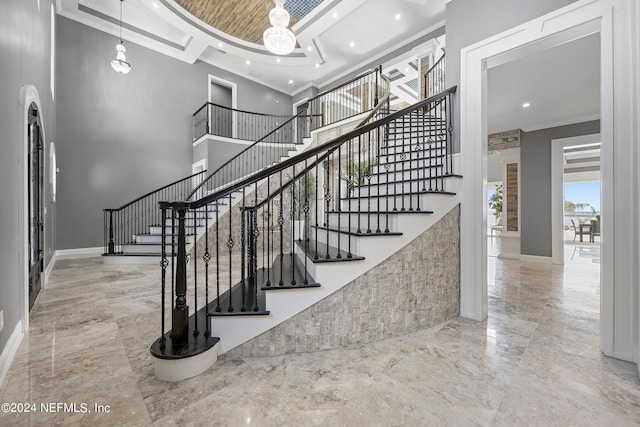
<point x="473" y="133"/>
<point x="79" y="253"/>
<point x="536" y="259"/>
<point x="199" y="164"/>
<point x="10" y="350"/>
<point x="50" y="265"/>
<point x="561" y="122"/>
<point x="557" y="190"/>
<point x="175" y="370"/>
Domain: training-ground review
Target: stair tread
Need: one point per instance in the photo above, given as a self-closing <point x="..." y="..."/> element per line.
<point x="380" y="212"/>
<point x="372" y="196"/>
<point x="274" y="276"/>
<point x="322" y="251"/>
<point x="354" y="231"/>
<point x="260" y="281"/>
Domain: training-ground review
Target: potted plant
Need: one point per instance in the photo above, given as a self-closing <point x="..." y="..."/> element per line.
<point x="356" y="174"/>
<point x="495" y="202"/>
<point x="301" y="197"/>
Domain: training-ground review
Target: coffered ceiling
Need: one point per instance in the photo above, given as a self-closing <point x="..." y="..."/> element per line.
<point x="335" y="37"/>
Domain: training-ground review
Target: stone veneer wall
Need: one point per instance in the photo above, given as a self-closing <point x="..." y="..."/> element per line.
<point x="416" y="288"/>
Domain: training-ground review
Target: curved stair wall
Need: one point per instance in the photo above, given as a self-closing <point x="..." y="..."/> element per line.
<point x="415" y="288"/>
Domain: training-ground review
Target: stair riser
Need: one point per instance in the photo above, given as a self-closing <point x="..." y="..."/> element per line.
<point x="158" y="230"/>
<point x="414" y="186"/>
<point x="407" y="175"/>
<point x="146" y="249"/>
<point x="422" y="154"/>
<point x="342" y="238"/>
<point x="398" y="148"/>
<point x="155" y="239"/>
<point x="381" y="203"/>
<point x="374" y="221"/>
<point x="188" y="223"/>
<point x="402" y="171"/>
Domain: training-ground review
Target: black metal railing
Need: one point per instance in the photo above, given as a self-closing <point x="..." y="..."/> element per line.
<point x="218" y="120"/>
<point x="434" y="78"/>
<point x="264" y="152"/>
<point x="357" y="96"/>
<point x="121" y="225"/>
<point x="303" y="210"/>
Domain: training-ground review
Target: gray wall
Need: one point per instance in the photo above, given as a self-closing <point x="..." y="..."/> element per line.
<point x="535" y="184"/>
<point x="25" y="53"/>
<point x="470" y="21"/>
<point x="121" y="136"/>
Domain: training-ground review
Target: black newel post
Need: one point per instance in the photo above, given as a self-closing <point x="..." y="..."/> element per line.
<point x="180" y="317"/>
<point x="111" y="246"/>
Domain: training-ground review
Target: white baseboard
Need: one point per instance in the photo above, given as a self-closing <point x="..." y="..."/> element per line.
<point x="9" y="351"/>
<point x="79" y="253"/>
<point x="49" y="268"/>
<point x="536" y="259"/>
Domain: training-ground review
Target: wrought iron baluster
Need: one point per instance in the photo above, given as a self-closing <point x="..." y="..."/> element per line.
<point x="218" y="308"/>
<point x="281" y="227"/>
<point x="269" y="234"/>
<point x="196" y="331"/>
<point x="230" y="245"/>
<point x="315" y="256"/>
<point x="243" y="248"/>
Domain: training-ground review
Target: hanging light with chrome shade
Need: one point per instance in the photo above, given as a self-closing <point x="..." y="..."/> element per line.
<point x="279" y="39"/>
<point x="120" y="64"/>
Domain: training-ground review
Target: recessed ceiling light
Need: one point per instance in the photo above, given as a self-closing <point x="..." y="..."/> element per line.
<point x="248" y="62"/>
<point x="406" y="70"/>
<point x="220" y="45"/>
<point x="334" y="15"/>
<point x="278" y="60"/>
<point x="398" y="17"/>
<point x="290" y="81"/>
<point x="352" y="44"/>
<point x="155" y="4"/>
<point x="309" y="48"/>
<point x="526" y="105"/>
<point x="317" y="65"/>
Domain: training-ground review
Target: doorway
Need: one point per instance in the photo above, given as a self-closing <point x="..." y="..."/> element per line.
<point x="222" y="106"/>
<point x="35" y="185"/>
<point x="575" y="20"/>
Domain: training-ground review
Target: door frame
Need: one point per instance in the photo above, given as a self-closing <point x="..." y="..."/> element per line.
<point x="28" y="95"/>
<point x="234" y="99"/>
<point x="557" y="190"/>
<point x="617" y="338"/>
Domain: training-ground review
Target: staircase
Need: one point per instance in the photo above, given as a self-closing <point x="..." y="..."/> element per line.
<point x="307" y="227"/>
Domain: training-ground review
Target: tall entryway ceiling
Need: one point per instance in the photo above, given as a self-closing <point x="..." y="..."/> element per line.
<point x="244" y="19"/>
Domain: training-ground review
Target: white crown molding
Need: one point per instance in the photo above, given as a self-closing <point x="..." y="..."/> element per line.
<point x="561" y="122"/>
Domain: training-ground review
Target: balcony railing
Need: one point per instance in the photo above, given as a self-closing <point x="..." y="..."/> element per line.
<point x="217" y="120"/>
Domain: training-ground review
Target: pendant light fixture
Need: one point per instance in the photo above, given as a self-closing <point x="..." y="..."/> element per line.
<point x="120" y="64"/>
<point x="279" y="39"/>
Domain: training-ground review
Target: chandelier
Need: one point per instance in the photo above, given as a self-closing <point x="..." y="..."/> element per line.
<point x="279" y="39"/>
<point x="120" y="64"/>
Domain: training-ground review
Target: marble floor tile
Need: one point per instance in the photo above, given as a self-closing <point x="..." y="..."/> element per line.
<point x="534" y="361"/>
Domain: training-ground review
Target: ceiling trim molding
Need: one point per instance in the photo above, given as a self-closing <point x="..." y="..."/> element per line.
<point x="561" y="122"/>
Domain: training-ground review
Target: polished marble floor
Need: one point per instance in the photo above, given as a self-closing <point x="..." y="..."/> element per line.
<point x="534" y="362"/>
